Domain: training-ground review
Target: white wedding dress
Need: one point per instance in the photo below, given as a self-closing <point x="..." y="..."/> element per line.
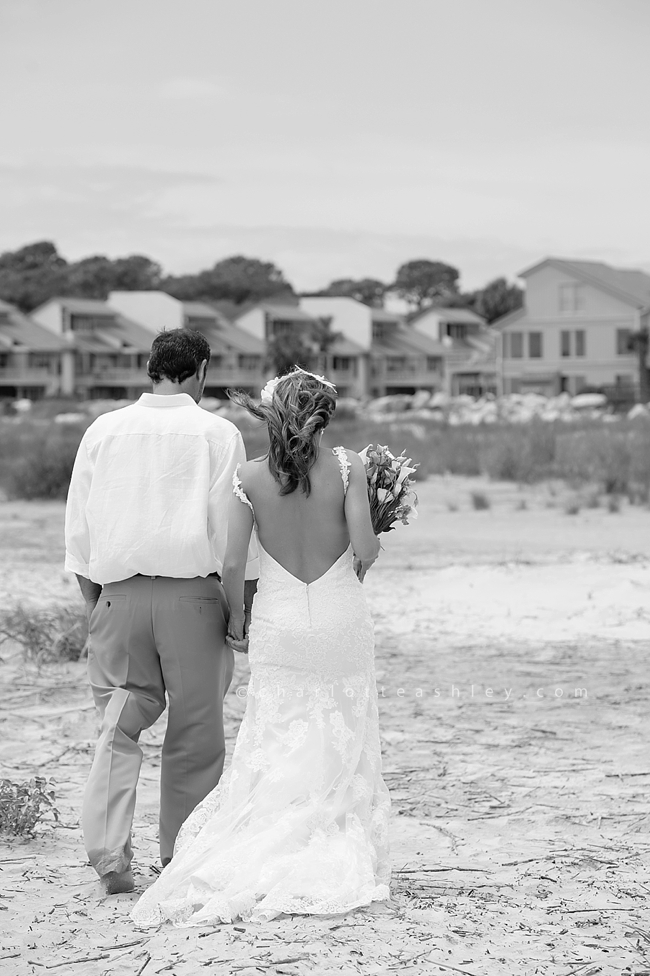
<point x="299" y="821"/>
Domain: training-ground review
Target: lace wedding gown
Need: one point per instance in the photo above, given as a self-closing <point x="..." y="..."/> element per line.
<point x="299" y="821"/>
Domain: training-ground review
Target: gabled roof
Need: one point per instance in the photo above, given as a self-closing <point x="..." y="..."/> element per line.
<point x="345" y="347"/>
<point x="405" y="340"/>
<point x="224" y="337"/>
<point x="381" y="315"/>
<point x="82" y="306"/>
<point x="627" y="284"/>
<point x="449" y="315"/>
<point x="285" y="312"/>
<point x="17" y="332"/>
<point x="199" y="310"/>
<point x="240" y="340"/>
<point x="134" y="334"/>
<point x="508" y="318"/>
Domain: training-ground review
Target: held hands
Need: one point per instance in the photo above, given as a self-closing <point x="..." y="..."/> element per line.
<point x="237" y="636"/>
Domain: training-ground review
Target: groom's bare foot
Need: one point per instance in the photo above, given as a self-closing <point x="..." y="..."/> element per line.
<point x="117" y="882"/>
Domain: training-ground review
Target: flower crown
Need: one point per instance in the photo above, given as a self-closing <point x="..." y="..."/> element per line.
<point x="269" y="389"/>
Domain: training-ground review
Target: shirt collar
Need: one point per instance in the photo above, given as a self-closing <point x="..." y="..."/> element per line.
<point x="170" y="400"/>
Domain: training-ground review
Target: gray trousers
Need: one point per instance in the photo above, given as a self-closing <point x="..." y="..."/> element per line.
<point x="151" y="635"/>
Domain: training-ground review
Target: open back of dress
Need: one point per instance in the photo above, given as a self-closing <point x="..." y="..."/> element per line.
<point x="299" y="822"/>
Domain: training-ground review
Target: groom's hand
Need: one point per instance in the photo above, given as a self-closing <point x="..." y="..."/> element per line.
<point x="241" y="646"/>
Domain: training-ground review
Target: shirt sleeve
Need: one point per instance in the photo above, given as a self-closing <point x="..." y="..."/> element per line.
<point x="224" y="467"/>
<point x="77" y="533"/>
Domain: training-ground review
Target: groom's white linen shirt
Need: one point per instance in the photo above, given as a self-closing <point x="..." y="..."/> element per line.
<point x="150" y="491"/>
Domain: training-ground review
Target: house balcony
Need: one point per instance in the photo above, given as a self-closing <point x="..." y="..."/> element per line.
<point x="344" y="376"/>
<point x="224" y="376"/>
<point x="413" y="375"/>
<point x="13" y="374"/>
<point x="120" y="376"/>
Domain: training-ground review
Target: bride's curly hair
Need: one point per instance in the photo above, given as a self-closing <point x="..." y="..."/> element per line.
<point x="299" y="409"/>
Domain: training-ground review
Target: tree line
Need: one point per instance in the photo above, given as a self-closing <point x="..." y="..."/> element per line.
<point x="37" y="272"/>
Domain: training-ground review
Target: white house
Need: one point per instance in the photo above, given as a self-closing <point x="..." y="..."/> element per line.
<point x="237" y="356"/>
<point x="392" y="356"/>
<point x="574" y="329"/>
<point x="104" y="353"/>
<point x="30" y="356"/>
<point x="470" y="344"/>
<point x="343" y="361"/>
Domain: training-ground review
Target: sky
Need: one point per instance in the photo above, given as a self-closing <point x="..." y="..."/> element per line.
<point x="336" y="138"/>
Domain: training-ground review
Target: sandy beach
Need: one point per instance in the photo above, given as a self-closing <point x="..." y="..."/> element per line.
<point x="512" y="648"/>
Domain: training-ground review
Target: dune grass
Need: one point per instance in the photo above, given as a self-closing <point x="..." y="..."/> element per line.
<point x="36" y="456"/>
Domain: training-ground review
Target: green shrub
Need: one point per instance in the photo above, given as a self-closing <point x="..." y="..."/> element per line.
<point x="572" y="507"/>
<point x="24" y="805"/>
<point x="480" y="501"/>
<point x="46" y="636"/>
<point x="36" y="458"/>
<point x="616" y="459"/>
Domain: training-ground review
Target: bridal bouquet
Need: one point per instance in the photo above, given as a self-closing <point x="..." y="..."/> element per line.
<point x="390" y="489"/>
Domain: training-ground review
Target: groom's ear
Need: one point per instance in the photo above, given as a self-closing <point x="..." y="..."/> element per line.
<point x="202" y="370"/>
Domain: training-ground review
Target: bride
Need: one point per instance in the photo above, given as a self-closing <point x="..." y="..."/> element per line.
<point x="299" y="821"/>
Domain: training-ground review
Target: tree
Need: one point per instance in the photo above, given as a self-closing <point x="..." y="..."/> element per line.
<point x="640" y="343"/>
<point x="424" y="282"/>
<point x="136" y="273"/>
<point x="323" y="339"/>
<point x="32" y="275"/>
<point x="90" y="278"/>
<point x="238" y="279"/>
<point x="95" y="277"/>
<point x="497" y="299"/>
<point x="369" y="291"/>
<point x="289" y="348"/>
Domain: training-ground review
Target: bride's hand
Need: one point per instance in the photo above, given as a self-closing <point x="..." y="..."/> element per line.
<point x="359" y="569"/>
<point x="236" y="636"/>
<point x="241" y="646"/>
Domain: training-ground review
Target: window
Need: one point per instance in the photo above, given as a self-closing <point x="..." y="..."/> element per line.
<point x="434" y="364"/>
<point x="395" y="364"/>
<point x="249" y="362"/>
<point x="88" y="323"/>
<point x="572" y="298"/>
<point x="4" y="360"/>
<point x="457" y="330"/>
<point x="565" y="343"/>
<point x="143" y="359"/>
<point x="39" y="360"/>
<point x="516" y="345"/>
<point x="622" y="342"/>
<point x="379" y="330"/>
<point x="341" y="363"/>
<point x="102" y="361"/>
<point x="581" y="343"/>
<point x="535" y="345"/>
<point x="276" y="327"/>
<point x="624" y="379"/>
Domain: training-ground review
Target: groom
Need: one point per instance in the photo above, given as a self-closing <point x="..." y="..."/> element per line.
<point x="146" y="535"/>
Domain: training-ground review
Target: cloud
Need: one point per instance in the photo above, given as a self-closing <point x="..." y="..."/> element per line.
<point x="192" y="89"/>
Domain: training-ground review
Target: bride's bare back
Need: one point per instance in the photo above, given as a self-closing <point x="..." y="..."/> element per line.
<point x="306" y="534"/>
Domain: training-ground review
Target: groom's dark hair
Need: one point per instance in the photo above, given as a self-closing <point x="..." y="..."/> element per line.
<point x="176" y="355"/>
